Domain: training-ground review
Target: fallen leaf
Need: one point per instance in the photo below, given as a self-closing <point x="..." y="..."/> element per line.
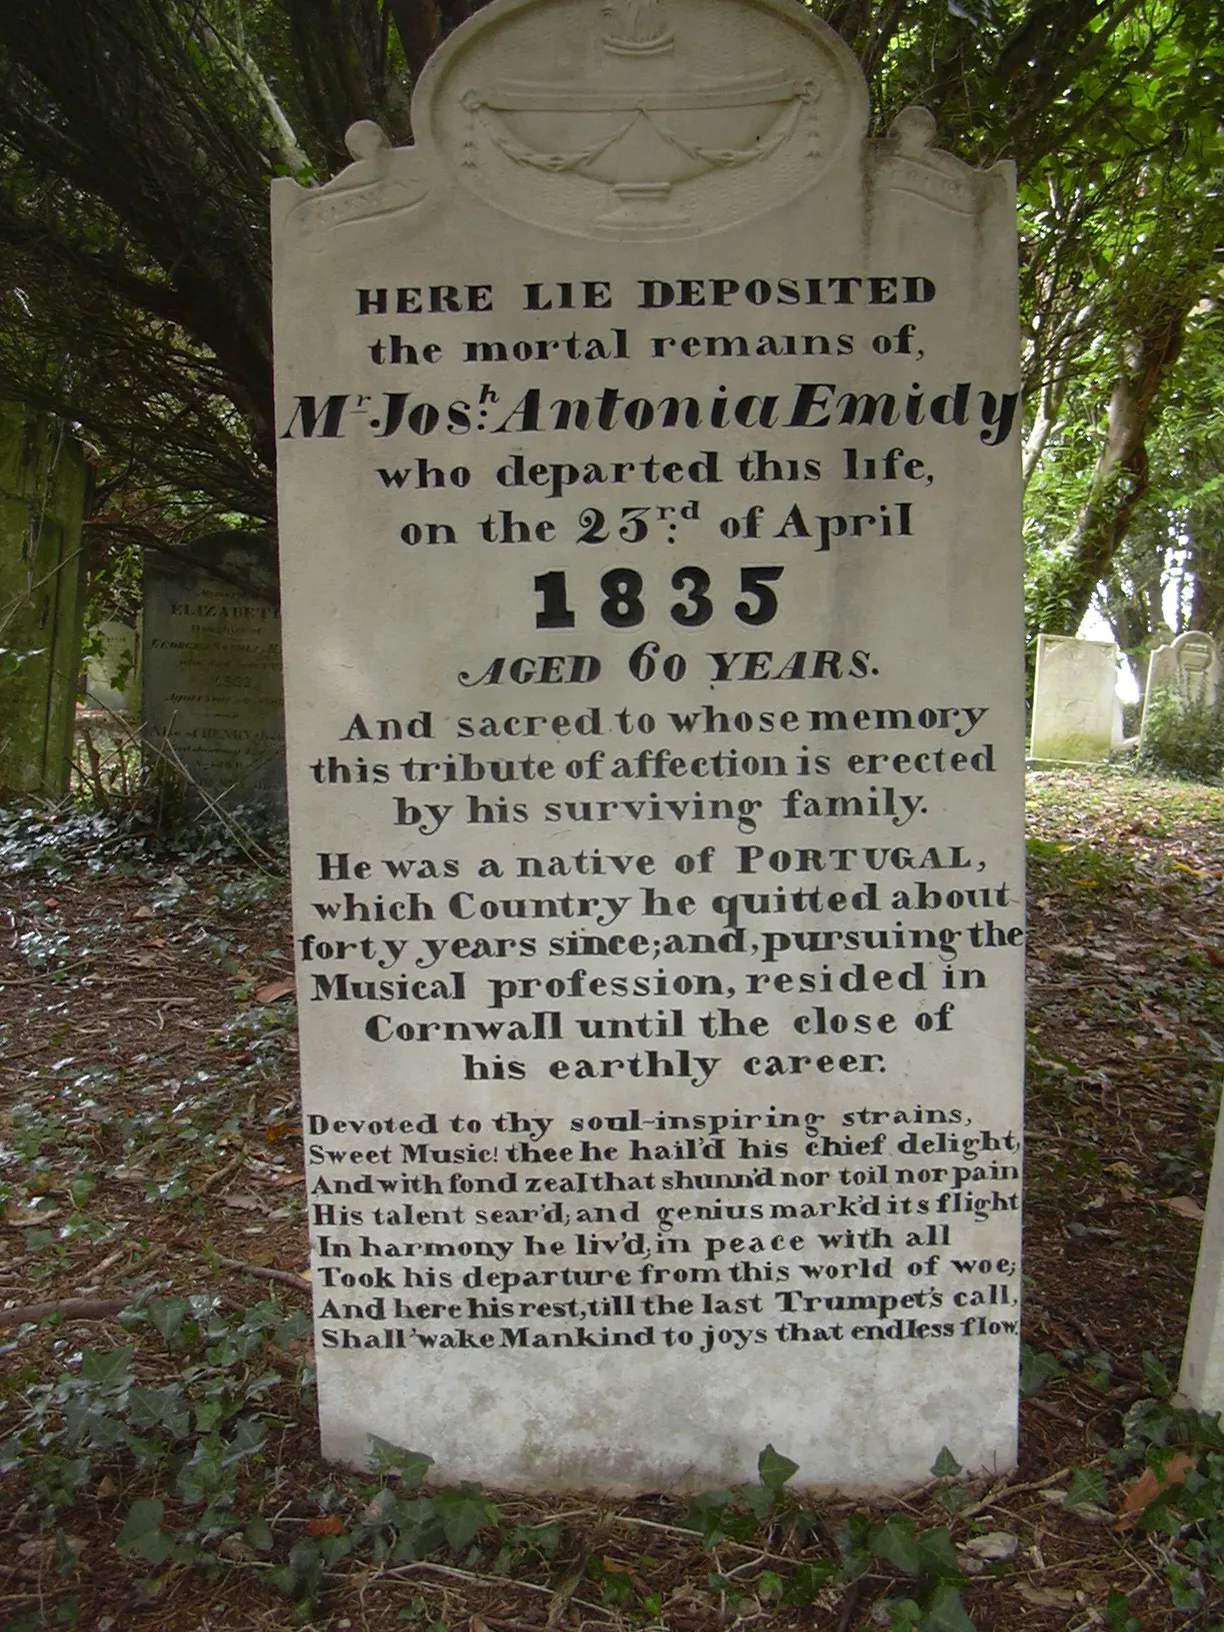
<point x="285" y="1178"/>
<point x="130" y="1175"/>
<point x="235" y="1548"/>
<point x="328" y="1525"/>
<point x="996" y="1544"/>
<point x="1183" y="1206"/>
<point x="244" y="1200"/>
<point x="273" y="990"/>
<point x="144" y="912"/>
<point x="1046" y="1597"/>
<point x="1149" y="1485"/>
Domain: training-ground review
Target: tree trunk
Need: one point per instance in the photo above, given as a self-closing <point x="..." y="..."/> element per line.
<point x="1119" y="481"/>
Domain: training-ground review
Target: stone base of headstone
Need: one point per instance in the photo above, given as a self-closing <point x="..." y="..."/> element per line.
<point x="42" y="497"/>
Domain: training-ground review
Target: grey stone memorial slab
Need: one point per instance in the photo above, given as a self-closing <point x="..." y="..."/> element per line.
<point x="1074" y="699"/>
<point x="213" y="698"/>
<point x="1189" y="667"/>
<point x="649" y="521"/>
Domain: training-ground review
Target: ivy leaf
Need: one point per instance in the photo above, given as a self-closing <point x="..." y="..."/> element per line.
<point x="759" y="1499"/>
<point x="1036" y="1370"/>
<point x="895" y="1540"/>
<point x="142" y="1532"/>
<point x="462" y="1514"/>
<point x="259" y="1534"/>
<point x="945" y="1465"/>
<point x="110" y="1367"/>
<point x="945" y="1611"/>
<point x="903" y="1614"/>
<point x="937" y="1555"/>
<point x="1087" y="1485"/>
<point x="1156" y="1375"/>
<point x="167" y="1315"/>
<point x="808" y="1581"/>
<point x="775" y="1470"/>
<point x="388" y="1459"/>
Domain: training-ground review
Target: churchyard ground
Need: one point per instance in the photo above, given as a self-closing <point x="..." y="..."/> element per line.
<point x="157" y="1420"/>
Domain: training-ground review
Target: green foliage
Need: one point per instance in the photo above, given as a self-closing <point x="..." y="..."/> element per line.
<point x="923" y="1559"/>
<point x="1184" y="737"/>
<point x="1036" y="1370"/>
<point x="200" y="1435"/>
<point x="1184" y="1450"/>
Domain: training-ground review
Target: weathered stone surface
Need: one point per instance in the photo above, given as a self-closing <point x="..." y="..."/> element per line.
<point x="42" y="498"/>
<point x="213" y="698"/>
<point x="651" y="572"/>
<point x="1074" y="699"/>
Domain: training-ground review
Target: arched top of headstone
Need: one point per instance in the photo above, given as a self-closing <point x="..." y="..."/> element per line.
<point x="640" y="118"/>
<point x="1195" y="652"/>
<point x="646" y="120"/>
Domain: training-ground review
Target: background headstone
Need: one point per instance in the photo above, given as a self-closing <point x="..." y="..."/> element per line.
<point x="646" y="443"/>
<point x="1189" y="667"/>
<point x="213" y="697"/>
<point x="1074" y="691"/>
<point x="112" y="675"/>
<point x="42" y="500"/>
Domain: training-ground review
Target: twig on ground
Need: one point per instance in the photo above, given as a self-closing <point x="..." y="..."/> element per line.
<point x="70" y="1308"/>
<point x="994" y="1497"/>
<point x="223" y="1172"/>
<point x="283" y="1277"/>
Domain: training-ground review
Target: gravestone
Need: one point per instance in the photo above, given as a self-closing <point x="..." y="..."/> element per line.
<point x="213" y="699"/>
<point x="112" y="674"/>
<point x="1074" y="692"/>
<point x="649" y="520"/>
<point x="42" y="501"/>
<point x="1189" y="667"/>
<point x="1202" y="1368"/>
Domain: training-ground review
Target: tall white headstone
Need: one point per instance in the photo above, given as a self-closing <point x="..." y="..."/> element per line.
<point x="652" y="618"/>
<point x="1202" y="1367"/>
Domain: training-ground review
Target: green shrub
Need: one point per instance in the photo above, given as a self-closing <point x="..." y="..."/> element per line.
<point x="1184" y="736"/>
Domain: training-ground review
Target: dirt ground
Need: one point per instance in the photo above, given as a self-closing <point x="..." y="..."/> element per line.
<point x="157" y="1440"/>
